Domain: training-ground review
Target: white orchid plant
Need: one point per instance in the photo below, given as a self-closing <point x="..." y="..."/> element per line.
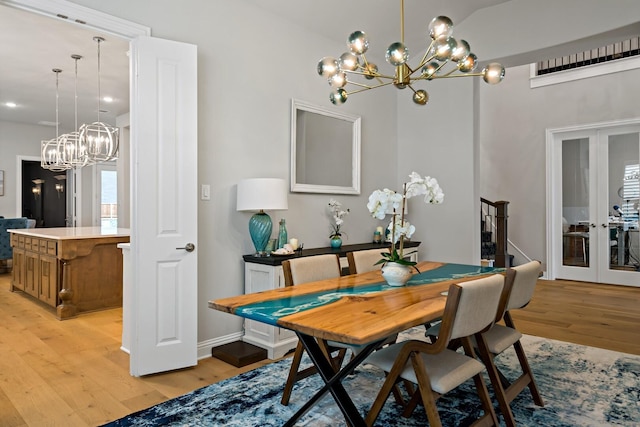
<point x="335" y="207"/>
<point x="383" y="202"/>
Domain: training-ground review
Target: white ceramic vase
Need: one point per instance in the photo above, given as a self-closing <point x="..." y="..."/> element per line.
<point x="396" y="274"/>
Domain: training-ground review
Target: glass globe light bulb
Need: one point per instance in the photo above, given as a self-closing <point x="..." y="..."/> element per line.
<point x="371" y="70"/>
<point x="493" y="73"/>
<point x="421" y="97"/>
<point x="397" y="54"/>
<point x="358" y="42"/>
<point x="440" y="26"/>
<point x="430" y="70"/>
<point x="468" y="63"/>
<point x="348" y="61"/>
<point x="461" y="50"/>
<point x="443" y="47"/>
<point x="328" y="66"/>
<point x="338" y="79"/>
<point x="338" y="96"/>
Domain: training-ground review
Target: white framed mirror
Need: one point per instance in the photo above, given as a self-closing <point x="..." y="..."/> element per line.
<point x="325" y="150"/>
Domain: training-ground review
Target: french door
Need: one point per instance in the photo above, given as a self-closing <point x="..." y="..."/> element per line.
<point x="593" y="195"/>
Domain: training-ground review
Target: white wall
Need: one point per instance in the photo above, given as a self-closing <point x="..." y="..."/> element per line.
<point x="512" y="134"/>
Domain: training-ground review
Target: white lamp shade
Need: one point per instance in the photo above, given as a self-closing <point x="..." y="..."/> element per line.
<point x="257" y="194"/>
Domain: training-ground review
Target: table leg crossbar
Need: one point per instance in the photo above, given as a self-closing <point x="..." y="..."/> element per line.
<point x="333" y="380"/>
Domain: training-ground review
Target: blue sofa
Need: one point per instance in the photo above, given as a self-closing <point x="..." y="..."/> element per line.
<point x="6" y="252"/>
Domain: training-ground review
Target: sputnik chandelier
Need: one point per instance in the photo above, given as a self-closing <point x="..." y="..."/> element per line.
<point x="443" y="52"/>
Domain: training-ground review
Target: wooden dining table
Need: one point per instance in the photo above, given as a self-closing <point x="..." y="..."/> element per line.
<point x="359" y="309"/>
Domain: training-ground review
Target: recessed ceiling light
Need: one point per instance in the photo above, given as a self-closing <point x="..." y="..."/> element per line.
<point x="107" y="99"/>
<point x="11" y="104"/>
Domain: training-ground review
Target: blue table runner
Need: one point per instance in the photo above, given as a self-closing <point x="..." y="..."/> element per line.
<point x="270" y="311"/>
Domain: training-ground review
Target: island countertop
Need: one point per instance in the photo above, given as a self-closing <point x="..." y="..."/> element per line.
<point x="63" y="233"/>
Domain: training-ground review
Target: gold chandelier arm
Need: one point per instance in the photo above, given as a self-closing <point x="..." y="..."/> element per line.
<point x="363" y="73"/>
<point x="366" y="87"/>
<point x="426" y="58"/>
<point x="449" y="75"/>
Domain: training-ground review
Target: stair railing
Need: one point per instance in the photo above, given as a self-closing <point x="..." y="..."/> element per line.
<point x="493" y="220"/>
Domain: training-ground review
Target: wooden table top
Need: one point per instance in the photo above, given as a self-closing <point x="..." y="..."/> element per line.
<point x="355" y="309"/>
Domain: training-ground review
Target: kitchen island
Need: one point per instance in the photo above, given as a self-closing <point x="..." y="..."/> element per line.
<point x="73" y="269"/>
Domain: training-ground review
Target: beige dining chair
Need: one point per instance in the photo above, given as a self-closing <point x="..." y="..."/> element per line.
<point x="500" y="337"/>
<point x="298" y="271"/>
<point x="470" y="309"/>
<point x="364" y="261"/>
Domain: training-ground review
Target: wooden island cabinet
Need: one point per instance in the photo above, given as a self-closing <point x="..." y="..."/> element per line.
<point x="74" y="270"/>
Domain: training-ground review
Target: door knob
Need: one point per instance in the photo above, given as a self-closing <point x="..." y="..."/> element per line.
<point x="189" y="247"/>
<point x="604" y="226"/>
<point x="592" y="225"/>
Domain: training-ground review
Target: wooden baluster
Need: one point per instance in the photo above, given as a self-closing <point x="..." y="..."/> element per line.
<point x="66" y="309"/>
<point x="502" y="256"/>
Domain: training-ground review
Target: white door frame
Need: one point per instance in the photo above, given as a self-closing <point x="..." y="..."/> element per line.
<point x="554" y="136"/>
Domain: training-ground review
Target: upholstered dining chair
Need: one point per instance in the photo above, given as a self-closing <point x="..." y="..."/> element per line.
<point x="500" y="337"/>
<point x="363" y="261"/>
<point x="470" y="310"/>
<point x="296" y="272"/>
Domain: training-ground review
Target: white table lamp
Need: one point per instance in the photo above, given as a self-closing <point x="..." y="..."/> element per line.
<point x="258" y="195"/>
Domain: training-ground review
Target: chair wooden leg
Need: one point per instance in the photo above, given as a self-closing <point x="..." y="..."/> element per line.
<point x="489" y="418"/>
<point x="429" y="397"/>
<point x="526" y="369"/>
<point x="296" y="375"/>
<point x="496" y="381"/>
<point x="293" y="373"/>
<point x="381" y="398"/>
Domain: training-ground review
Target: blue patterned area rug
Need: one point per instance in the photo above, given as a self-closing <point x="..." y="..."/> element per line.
<point x="581" y="386"/>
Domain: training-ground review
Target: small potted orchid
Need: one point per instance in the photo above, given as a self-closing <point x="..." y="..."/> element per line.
<point x="383" y="202"/>
<point x="335" y="207"/>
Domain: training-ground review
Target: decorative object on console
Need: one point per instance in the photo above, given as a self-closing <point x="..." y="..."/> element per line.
<point x="260" y="194"/>
<point x="383" y="201"/>
<point x="335" y="207"/>
<point x="282" y="234"/>
<point x="443" y="50"/>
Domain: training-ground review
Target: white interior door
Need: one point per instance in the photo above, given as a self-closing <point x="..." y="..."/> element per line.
<point x="164" y="205"/>
<point x="593" y="197"/>
<point x="618" y="190"/>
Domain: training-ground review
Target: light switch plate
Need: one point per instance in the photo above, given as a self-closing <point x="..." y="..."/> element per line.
<point x="205" y="194"/>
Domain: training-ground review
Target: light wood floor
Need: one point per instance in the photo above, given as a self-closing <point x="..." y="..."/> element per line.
<point x="73" y="373"/>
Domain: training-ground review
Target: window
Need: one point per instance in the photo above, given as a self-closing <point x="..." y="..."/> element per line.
<point x="617" y="57"/>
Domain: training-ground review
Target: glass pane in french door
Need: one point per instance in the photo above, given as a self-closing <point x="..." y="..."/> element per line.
<point x="624" y="195"/>
<point x="575" y="202"/>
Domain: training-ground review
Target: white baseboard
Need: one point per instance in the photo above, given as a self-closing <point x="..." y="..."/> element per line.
<point x="204" y="347"/>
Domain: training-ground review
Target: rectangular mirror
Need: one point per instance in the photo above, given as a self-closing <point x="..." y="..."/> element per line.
<point x="325" y="150"/>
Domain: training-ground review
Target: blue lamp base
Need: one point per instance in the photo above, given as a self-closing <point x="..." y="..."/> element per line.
<point x="260" y="230"/>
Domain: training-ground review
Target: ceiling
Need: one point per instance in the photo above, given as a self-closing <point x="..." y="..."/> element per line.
<point x="34" y="44"/>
